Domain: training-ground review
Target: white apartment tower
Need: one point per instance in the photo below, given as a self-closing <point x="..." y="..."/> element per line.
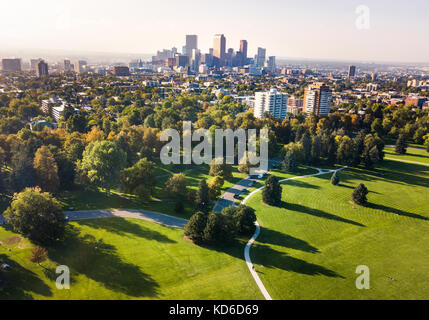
<point x="273" y="102"/>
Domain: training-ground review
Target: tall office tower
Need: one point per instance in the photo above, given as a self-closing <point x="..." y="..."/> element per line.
<point x="271" y="63"/>
<point x="182" y="61"/>
<point x="33" y="64"/>
<point x="260" y="57"/>
<point x="42" y="69"/>
<point x="243" y="50"/>
<point x="11" y="65"/>
<point x="195" y="60"/>
<point x="67" y="65"/>
<point x="273" y="102"/>
<point x="373" y="77"/>
<point x="79" y="66"/>
<point x="352" y="71"/>
<point x="219" y="46"/>
<point x="317" y="99"/>
<point x="191" y="43"/>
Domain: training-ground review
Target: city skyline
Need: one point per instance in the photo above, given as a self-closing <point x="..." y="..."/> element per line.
<point x="284" y="28"/>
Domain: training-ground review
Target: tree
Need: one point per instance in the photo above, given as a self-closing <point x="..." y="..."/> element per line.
<point x="306" y="144"/>
<point x="218" y="229"/>
<point x="202" y="201"/>
<point x="359" y="194"/>
<point x="272" y="193"/>
<point x="95" y="135"/>
<point x="194" y="229"/>
<point x="37" y="216"/>
<point x="215" y="187"/>
<point x="38" y="255"/>
<point x="223" y="170"/>
<point x="139" y="179"/>
<point x="102" y="163"/>
<point x="23" y="174"/>
<point x="335" y="179"/>
<point x="46" y="169"/>
<point x="316" y="147"/>
<point x="176" y="186"/>
<point x="401" y="145"/>
<point x="289" y="162"/>
<point x="427" y="147"/>
<point x="179" y="208"/>
<point x="244" y="219"/>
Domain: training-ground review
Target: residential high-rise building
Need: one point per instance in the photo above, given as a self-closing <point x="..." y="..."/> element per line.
<point x="42" y="69"/>
<point x="219" y="47"/>
<point x="352" y="71"/>
<point x="273" y="102"/>
<point x="11" y="65"/>
<point x="317" y="99"/>
<point x="243" y="51"/>
<point x="191" y="44"/>
<point x="260" y="57"/>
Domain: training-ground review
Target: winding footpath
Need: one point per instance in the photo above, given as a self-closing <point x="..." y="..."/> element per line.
<point x="151" y="216"/>
<point x="258" y="230"/>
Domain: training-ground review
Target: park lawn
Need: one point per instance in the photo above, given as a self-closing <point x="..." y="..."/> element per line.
<point x="310" y="246"/>
<point x="411" y="155"/>
<point x="127" y="259"/>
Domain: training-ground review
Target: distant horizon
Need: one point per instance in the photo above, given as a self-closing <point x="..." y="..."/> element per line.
<point x="314" y="30"/>
<point x="34" y="53"/>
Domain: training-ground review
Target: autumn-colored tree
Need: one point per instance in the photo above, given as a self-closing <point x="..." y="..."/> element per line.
<point x="96" y="134"/>
<point x="38" y="255"/>
<point x="46" y="169"/>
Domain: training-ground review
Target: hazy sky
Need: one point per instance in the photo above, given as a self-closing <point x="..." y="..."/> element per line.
<point x="399" y="30"/>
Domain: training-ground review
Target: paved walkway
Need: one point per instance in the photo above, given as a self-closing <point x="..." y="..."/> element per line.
<point x="227" y="199"/>
<point x="156" y="217"/>
<point x="258" y="230"/>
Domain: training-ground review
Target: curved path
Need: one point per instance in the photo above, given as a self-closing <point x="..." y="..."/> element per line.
<point x="156" y="217"/>
<point x="258" y="230"/>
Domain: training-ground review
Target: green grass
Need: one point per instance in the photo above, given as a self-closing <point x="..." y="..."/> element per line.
<point x="135" y="260"/>
<point x="310" y="246"/>
<point x="411" y="155"/>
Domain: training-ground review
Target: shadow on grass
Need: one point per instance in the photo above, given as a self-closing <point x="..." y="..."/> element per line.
<point x="395" y="211"/>
<point x="274" y="237"/>
<point x="123" y="227"/>
<point x="266" y="256"/>
<point x="100" y="262"/>
<point x="317" y="213"/>
<point x="21" y="282"/>
<point x="270" y="258"/>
